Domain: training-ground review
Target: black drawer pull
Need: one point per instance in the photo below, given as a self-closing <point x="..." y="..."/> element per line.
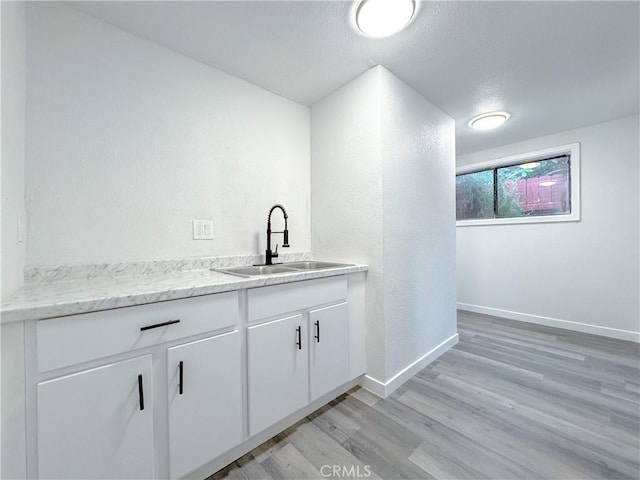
<point x="317" y="335"/>
<point x="158" y="325"/>
<point x="299" y="342"/>
<point x="181" y="384"/>
<point x="140" y="392"/>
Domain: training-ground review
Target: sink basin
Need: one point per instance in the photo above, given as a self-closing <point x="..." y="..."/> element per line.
<point x="256" y="270"/>
<point x="314" y="265"/>
<point x="291" y="267"/>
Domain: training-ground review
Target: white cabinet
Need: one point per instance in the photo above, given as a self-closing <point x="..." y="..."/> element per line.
<point x="278" y="370"/>
<point x="173" y="388"/>
<point x="329" y="348"/>
<point x="97" y="423"/>
<point x="111" y="332"/>
<point x="205" y="401"/>
<point x="302" y="354"/>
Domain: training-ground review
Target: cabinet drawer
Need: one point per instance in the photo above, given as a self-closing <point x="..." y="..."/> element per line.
<point x="79" y="338"/>
<point x="275" y="300"/>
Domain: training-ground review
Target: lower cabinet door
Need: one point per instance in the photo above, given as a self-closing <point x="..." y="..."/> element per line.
<point x="205" y="401"/>
<point x="97" y="423"/>
<point x="278" y="371"/>
<point x="329" y="339"/>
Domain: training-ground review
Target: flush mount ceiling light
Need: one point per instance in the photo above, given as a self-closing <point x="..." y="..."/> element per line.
<point x="487" y="121"/>
<point x="382" y="18"/>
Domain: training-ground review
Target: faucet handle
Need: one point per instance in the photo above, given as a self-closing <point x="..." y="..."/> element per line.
<point x="275" y="254"/>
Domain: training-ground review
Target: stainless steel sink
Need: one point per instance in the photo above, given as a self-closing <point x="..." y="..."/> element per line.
<point x="291" y="267"/>
<point x="256" y="270"/>
<point x="314" y="265"/>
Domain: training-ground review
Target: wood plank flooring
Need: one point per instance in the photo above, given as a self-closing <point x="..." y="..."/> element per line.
<point x="511" y="401"/>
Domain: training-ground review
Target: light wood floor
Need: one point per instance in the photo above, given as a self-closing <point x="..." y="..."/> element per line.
<point x="511" y="401"/>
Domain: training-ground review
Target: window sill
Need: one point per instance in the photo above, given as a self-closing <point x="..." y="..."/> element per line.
<point x="574" y="217"/>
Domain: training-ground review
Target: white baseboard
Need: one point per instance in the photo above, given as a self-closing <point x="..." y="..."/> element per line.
<point x="554" y="322"/>
<point x="373" y="385"/>
<point x="385" y="389"/>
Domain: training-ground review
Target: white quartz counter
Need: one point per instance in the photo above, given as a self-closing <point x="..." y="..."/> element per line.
<point x="69" y="297"/>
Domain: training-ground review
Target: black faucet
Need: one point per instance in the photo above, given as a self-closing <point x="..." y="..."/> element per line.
<point x="270" y="255"/>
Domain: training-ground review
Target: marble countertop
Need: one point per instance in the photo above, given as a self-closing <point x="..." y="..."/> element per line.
<point x="74" y="296"/>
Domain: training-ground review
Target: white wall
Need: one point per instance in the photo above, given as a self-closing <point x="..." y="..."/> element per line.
<point x="128" y="142"/>
<point x="580" y="275"/>
<point x="346" y="193"/>
<point x="13" y="39"/>
<point x="13" y="156"/>
<point x="418" y="171"/>
<point x="382" y="189"/>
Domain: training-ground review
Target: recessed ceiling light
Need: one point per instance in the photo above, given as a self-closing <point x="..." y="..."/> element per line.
<point x="487" y="121"/>
<point x="546" y="184"/>
<point x="382" y="18"/>
<point x="530" y="165"/>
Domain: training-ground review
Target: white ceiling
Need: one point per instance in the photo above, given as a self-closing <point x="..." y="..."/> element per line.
<point x="553" y="65"/>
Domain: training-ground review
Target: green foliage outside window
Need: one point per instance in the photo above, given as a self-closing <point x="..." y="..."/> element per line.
<point x="479" y="197"/>
<point x="474" y="195"/>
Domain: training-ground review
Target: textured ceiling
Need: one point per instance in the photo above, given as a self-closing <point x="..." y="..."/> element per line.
<point x="553" y="65"/>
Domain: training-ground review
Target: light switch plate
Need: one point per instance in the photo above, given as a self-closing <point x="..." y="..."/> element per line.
<point x="203" y="229"/>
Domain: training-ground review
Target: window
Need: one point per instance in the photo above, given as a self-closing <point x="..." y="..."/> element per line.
<point x="537" y="187"/>
<point x="474" y="195"/>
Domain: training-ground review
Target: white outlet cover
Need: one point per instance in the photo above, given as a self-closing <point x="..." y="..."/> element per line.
<point x="203" y="229"/>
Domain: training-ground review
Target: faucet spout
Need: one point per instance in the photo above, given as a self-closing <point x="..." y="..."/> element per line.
<point x="269" y="256"/>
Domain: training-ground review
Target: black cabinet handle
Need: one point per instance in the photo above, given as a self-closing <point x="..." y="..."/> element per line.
<point x="140" y="392"/>
<point x="181" y="384"/>
<point x="317" y="335"/>
<point x="299" y="342"/>
<point x="158" y="325"/>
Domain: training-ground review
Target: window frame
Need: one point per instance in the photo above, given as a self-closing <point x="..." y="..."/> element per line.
<point x="572" y="150"/>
